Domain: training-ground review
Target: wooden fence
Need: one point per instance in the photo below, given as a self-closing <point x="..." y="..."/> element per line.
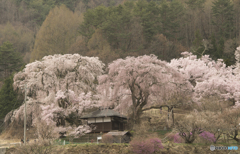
<point x="88" y="138"/>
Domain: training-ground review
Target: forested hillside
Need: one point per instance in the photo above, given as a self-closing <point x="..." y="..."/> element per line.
<point x="111" y="29"/>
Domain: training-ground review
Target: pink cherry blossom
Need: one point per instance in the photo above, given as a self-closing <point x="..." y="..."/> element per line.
<point x="55" y="80"/>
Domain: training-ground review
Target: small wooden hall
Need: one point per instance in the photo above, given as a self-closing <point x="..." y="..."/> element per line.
<point x="106" y="120"/>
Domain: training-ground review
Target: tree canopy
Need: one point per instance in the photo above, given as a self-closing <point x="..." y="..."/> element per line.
<point x="134" y="83"/>
<point x="121" y="33"/>
<point x="10" y="61"/>
<point x="9" y="98"/>
<point x="56" y="34"/>
<point x="62" y="87"/>
<point x="56" y="88"/>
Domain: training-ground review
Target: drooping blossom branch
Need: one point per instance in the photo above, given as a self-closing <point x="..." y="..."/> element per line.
<point x="58" y="86"/>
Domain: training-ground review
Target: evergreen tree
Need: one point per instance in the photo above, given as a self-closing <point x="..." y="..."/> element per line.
<point x="69" y="3"/>
<point x="92" y="19"/>
<point x="9" y="99"/>
<point x="150" y="18"/>
<point x="198" y="46"/>
<point x="40" y="8"/>
<point x="216" y="50"/>
<point x="10" y="60"/>
<point x="171" y="17"/>
<point x="115" y="27"/>
<point x="115" y="24"/>
<point x="223" y="18"/>
<point x="213" y="49"/>
<point x="196" y="4"/>
<point x="133" y="29"/>
<point x="219" y="53"/>
<point x="113" y="21"/>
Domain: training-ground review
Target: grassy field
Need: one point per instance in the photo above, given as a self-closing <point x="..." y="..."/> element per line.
<point x="92" y="148"/>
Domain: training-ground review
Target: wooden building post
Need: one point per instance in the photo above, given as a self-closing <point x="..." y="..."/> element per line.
<point x="102" y="125"/>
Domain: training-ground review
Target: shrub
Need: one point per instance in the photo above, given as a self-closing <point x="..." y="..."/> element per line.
<point x="106" y="138"/>
<point x="207" y="136"/>
<point x="175" y="138"/>
<point x="157" y="143"/>
<point x="147" y="146"/>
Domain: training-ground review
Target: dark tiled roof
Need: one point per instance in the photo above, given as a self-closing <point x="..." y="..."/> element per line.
<point x="103" y="113"/>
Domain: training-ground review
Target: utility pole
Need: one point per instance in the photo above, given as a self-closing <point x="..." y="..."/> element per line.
<point x="25" y="114"/>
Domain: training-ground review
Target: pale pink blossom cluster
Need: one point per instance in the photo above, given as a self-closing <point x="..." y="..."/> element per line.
<point x="59" y="72"/>
<point x="69" y="78"/>
<point x="60" y="85"/>
<point x="137" y="82"/>
<point x="74" y="104"/>
<point x="80" y="131"/>
<point x="210" y="77"/>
